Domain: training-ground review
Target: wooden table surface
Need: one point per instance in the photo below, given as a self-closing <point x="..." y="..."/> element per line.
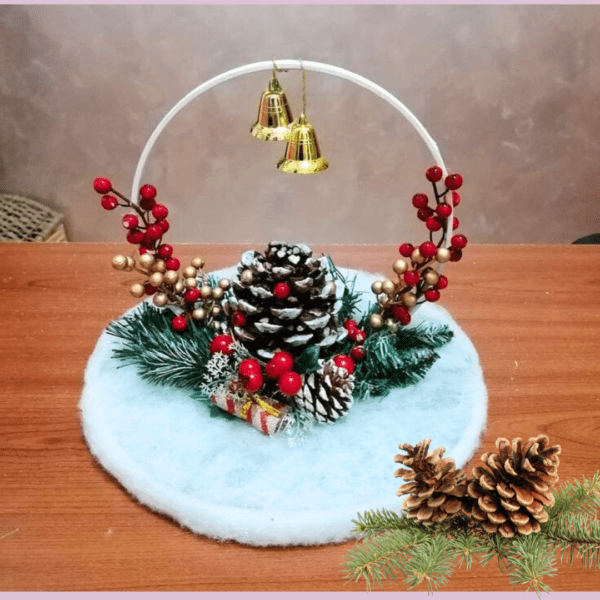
<point x="533" y="313"/>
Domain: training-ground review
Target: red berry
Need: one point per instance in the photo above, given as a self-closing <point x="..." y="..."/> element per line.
<point x="253" y="382"/>
<point x="149" y="289"/>
<point x="173" y="264"/>
<point x="455" y="255"/>
<point x="458" y="241"/>
<point x="454" y="181"/>
<point x="401" y="314"/>
<point x="153" y="233"/>
<point x="164" y="251"/>
<point x="147" y="204"/>
<point x="163" y="224"/>
<point x="432" y="295"/>
<point x="160" y="211"/>
<point x="358" y="353"/>
<point x="358" y="335"/>
<point x="248" y="367"/>
<point x="442" y="283"/>
<point x="102" y="185"/>
<point x="281" y="363"/>
<point x="350" y="324"/>
<point x="428" y="249"/>
<point x="443" y="210"/>
<point x="179" y="323"/>
<point x="406" y="249"/>
<point x="455" y="223"/>
<point x="135" y="237"/>
<point x="289" y="383"/>
<point x="144" y="250"/>
<point x="345" y="362"/>
<point x="424" y="213"/>
<point x="455" y="199"/>
<point x="192" y="295"/>
<point x="411" y="277"/>
<point x="281" y="290"/>
<point x="109" y="202"/>
<point x="222" y="343"/>
<point x="238" y="318"/>
<point x="433" y="224"/>
<point x="434" y="174"/>
<point x="420" y="200"/>
<point x="148" y="192"/>
<point x="130" y="221"/>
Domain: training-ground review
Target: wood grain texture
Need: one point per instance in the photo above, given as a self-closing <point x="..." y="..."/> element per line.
<point x="533" y="313"/>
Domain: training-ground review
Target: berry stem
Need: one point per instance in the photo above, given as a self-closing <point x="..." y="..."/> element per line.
<point x="130" y="204"/>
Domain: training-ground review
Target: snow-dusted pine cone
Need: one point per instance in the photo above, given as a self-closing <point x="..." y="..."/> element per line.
<point x="436" y="488"/>
<point x="305" y="317"/>
<point x="511" y="493"/>
<point x="326" y="394"/>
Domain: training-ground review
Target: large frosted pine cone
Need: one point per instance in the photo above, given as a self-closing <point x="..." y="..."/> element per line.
<point x="435" y="487"/>
<point x="512" y="491"/>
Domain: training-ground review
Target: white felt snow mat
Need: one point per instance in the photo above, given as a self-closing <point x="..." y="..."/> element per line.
<point x="223" y="478"/>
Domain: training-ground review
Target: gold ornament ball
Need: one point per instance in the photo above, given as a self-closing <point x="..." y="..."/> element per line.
<point x="160" y="300"/>
<point x="199" y="314"/>
<point x="376" y="287"/>
<point x="206" y="291"/>
<point x="388" y="287"/>
<point x="160" y="266"/>
<point x="375" y="321"/>
<point x="197" y="262"/>
<point x="179" y="286"/>
<point x="191" y="282"/>
<point x="215" y="310"/>
<point x="217" y="293"/>
<point x="443" y="255"/>
<point x="409" y="299"/>
<point x="156" y="279"/>
<point x="147" y="260"/>
<point x="431" y="277"/>
<point x="190" y="272"/>
<point x="137" y="290"/>
<point x="247" y="276"/>
<point x="400" y="266"/>
<point x="171" y="277"/>
<point x="225" y="283"/>
<point x="417" y="257"/>
<point x="130" y="264"/>
<point x="119" y="262"/>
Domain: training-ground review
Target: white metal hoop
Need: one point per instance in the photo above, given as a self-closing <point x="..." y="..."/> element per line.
<point x="267" y="65"/>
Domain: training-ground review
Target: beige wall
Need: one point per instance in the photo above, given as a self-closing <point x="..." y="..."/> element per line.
<point x="510" y="93"/>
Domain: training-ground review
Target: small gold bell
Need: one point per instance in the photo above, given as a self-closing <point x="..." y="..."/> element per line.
<point x="302" y="154"/>
<point x="274" y="115"/>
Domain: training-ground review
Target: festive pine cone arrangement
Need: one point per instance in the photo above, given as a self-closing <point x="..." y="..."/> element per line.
<point x="285" y="331"/>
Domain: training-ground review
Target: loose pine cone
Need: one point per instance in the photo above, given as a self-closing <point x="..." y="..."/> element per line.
<point x="511" y="493"/>
<point x="326" y="394"/>
<point x="435" y="486"/>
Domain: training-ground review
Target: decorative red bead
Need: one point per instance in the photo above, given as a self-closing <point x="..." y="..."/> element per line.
<point x="165" y="251"/>
<point x="248" y="367"/>
<point x="406" y="249"/>
<point x="160" y="211"/>
<point x="454" y="181"/>
<point x="455" y="255"/>
<point x="102" y="185"/>
<point x="289" y="383"/>
<point x="282" y="362"/>
<point x="350" y="324"/>
<point x="238" y="318"/>
<point x="281" y="290"/>
<point x="428" y="249"/>
<point x="420" y="200"/>
<point x="411" y="277"/>
<point x="144" y="250"/>
<point x="433" y="224"/>
<point x="149" y="289"/>
<point x="222" y="343"/>
<point x="442" y="283"/>
<point x="401" y="314"/>
<point x="173" y="264"/>
<point x="147" y="192"/>
<point x="455" y="199"/>
<point x="153" y="233"/>
<point x="192" y="295"/>
<point x="434" y="174"/>
<point x="147" y="204"/>
<point x="179" y="323"/>
<point x="253" y="382"/>
<point x="130" y="221"/>
<point x="358" y="335"/>
<point x="443" y="210"/>
<point x="458" y="241"/>
<point x="358" y="353"/>
<point x="109" y="202"/>
<point x="345" y="362"/>
<point x="136" y="236"/>
<point x="432" y="295"/>
<point x="455" y="223"/>
<point x="424" y="213"/>
<point x="163" y="224"/>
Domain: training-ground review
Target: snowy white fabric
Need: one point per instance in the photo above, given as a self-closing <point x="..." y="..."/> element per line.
<point x="224" y="479"/>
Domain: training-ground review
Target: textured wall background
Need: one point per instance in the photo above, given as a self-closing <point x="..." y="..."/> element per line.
<point x="510" y="93"/>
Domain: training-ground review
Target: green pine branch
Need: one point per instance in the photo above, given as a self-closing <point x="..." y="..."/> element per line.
<point x="376" y="522"/>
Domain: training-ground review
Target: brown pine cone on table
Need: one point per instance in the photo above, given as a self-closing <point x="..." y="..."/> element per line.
<point x="435" y="486"/>
<point x="511" y="492"/>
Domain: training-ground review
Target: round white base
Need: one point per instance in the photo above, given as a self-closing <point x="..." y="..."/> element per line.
<point x="224" y="479"/>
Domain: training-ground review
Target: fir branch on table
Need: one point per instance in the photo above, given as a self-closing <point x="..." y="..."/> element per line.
<point x="350" y="298"/>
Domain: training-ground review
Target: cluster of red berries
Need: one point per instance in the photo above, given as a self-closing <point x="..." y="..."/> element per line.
<point x="279" y="368"/>
<point x="358" y="336"/>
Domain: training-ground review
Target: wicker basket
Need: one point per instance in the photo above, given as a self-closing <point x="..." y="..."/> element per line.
<point x="26" y="220"/>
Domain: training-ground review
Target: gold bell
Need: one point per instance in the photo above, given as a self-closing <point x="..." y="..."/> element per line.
<point x="302" y="154"/>
<point x="274" y="115"/>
